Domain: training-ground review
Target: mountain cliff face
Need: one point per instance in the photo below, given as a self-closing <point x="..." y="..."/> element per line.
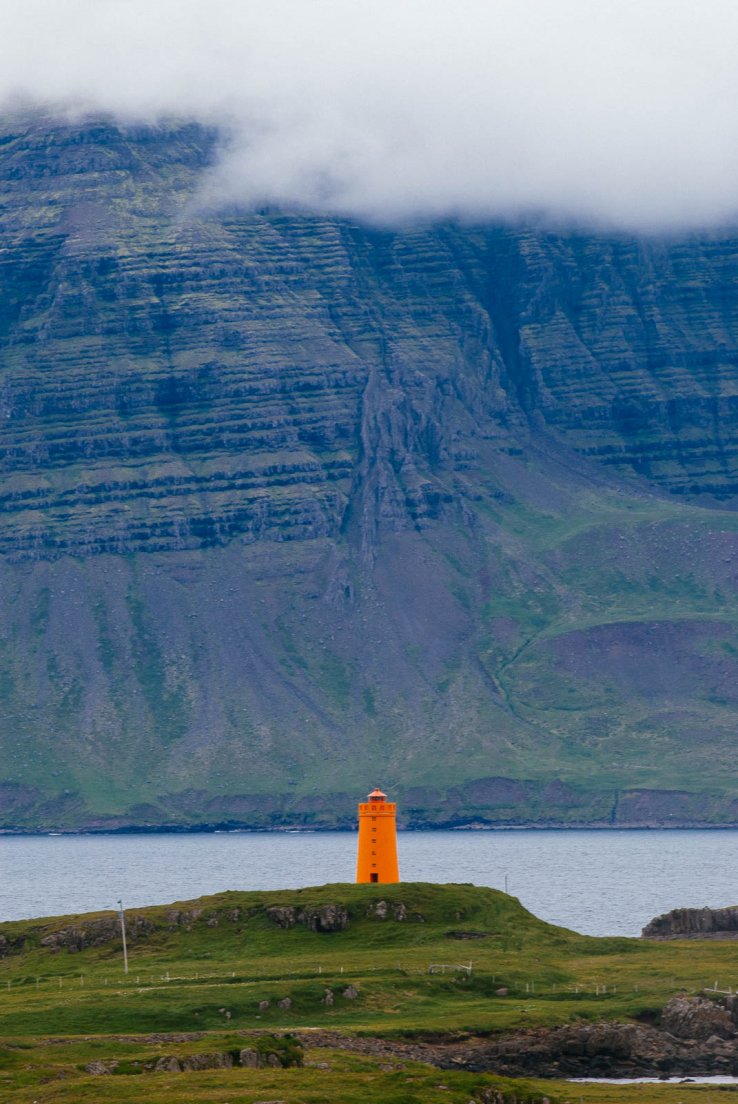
<point x="291" y="505"/>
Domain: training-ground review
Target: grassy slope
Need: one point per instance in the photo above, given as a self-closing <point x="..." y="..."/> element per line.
<point x="329" y="478"/>
<point x="603" y="659"/>
<point x="591" y="638"/>
<point x="60" y="1009"/>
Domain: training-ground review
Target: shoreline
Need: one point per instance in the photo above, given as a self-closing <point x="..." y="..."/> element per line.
<point x="289" y="829"/>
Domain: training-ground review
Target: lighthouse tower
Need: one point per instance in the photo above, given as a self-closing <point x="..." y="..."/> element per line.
<point x="377" y="858"/>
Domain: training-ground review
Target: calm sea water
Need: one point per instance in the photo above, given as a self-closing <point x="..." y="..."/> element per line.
<point x="599" y="882"/>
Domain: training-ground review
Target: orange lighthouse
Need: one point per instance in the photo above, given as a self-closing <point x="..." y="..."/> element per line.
<point x="377" y="858"/>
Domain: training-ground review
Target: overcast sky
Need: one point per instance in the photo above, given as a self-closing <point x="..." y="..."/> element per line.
<point x="622" y="112"/>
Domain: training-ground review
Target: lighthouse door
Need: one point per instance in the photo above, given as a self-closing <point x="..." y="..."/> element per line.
<point x="374" y="877"/>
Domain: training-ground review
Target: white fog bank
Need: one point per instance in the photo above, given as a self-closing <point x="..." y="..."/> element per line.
<point x="621" y="113"/>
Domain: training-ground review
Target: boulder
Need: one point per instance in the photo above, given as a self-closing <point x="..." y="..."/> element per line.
<point x="284" y="916"/>
<point x="383" y="909"/>
<point x="168" y="1065"/>
<point x="101" y="1067"/>
<point x="697" y="1018"/>
<point x="218" y="1060"/>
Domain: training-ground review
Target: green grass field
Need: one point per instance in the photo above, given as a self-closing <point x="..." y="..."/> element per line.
<point x="201" y="969"/>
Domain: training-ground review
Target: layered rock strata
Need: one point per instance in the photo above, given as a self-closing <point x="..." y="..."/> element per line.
<point x="453" y="504"/>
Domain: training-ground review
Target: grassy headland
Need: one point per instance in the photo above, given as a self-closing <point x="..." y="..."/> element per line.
<point x="199" y="971"/>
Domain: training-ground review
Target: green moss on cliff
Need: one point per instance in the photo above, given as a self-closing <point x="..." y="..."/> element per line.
<point x="448" y="505"/>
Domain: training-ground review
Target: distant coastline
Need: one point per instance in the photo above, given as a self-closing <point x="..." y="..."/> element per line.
<point x="291" y="829"/>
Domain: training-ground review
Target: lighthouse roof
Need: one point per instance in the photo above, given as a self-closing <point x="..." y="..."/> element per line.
<point x="377" y="795"/>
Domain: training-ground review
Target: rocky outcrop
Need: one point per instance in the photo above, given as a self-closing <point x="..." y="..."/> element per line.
<point x="95" y="933"/>
<point x="696" y="1018"/>
<point x="218" y="1060"/>
<point x="580" y="1050"/>
<point x="324" y="918"/>
<point x="609" y="1050"/>
<point x="333" y="917"/>
<point x="167" y="1064"/>
<point x="182" y="917"/>
<point x="384" y="910"/>
<point x="11" y="944"/>
<point x="267" y="1052"/>
<point x="693" y="923"/>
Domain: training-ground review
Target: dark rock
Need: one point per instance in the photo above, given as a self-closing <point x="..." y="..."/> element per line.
<point x="168" y="1065"/>
<point x="383" y="909"/>
<point x="183" y="917"/>
<point x="466" y="935"/>
<point x="96" y="933"/>
<point x="692" y="923"/>
<point x="99" y="1066"/>
<point x="285" y="916"/>
<point x="576" y="1050"/>
<point x="326" y="918"/>
<point x="697" y="1018"/>
<point x="11" y="945"/>
<point x="606" y="1049"/>
<point x="217" y="1060"/>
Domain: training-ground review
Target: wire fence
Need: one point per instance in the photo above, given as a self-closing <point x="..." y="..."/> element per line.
<point x="336" y="975"/>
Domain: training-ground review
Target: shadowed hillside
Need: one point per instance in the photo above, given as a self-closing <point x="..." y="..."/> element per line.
<point x="290" y="505"/>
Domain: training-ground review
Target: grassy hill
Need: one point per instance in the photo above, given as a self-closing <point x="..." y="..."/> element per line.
<point x="200" y="972"/>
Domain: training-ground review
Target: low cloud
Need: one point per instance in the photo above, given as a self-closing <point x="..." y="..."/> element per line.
<point x="611" y="113"/>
